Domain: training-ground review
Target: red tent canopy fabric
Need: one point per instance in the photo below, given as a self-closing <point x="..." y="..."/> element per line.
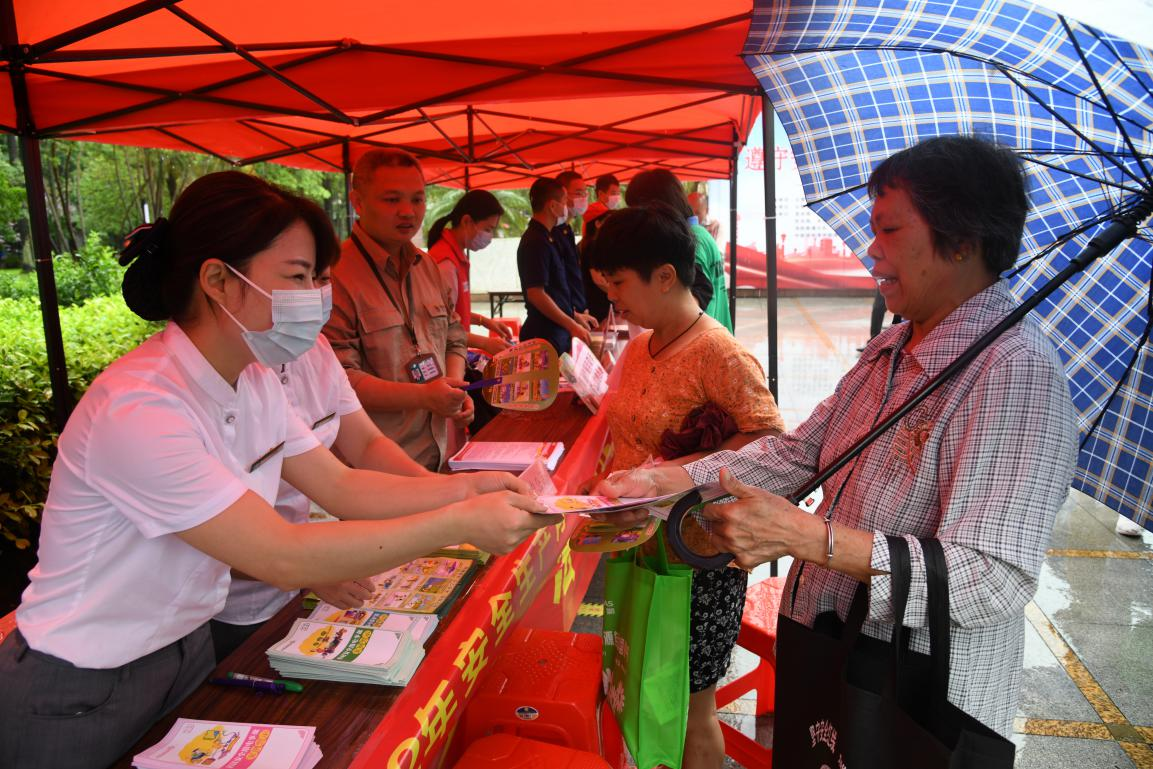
<point x="504" y="89"/>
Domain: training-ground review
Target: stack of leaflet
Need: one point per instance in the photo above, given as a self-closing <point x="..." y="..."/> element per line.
<point x="381" y="642"/>
<point x="351" y="653"/>
<point x="419" y="626"/>
<point x="513" y="456"/>
<point x="221" y="743"/>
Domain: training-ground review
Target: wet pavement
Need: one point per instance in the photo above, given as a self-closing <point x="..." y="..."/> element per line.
<point x="1087" y="692"/>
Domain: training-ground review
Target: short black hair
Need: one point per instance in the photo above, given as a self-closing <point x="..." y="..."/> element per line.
<point x="658" y="184"/>
<point x="970" y="191"/>
<point x="642" y="238"/>
<point x="542" y="191"/>
<point x="565" y="177"/>
<point x="607" y="182"/>
<point x="381" y="157"/>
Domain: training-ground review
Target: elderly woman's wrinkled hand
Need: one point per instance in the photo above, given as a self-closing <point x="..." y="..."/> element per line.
<point x="755" y="528"/>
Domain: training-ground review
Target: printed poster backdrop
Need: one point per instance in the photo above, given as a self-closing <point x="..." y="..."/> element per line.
<point x="810" y="256"/>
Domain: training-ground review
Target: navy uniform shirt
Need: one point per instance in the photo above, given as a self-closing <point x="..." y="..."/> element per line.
<point x="541" y="263"/>
<point x="566" y="242"/>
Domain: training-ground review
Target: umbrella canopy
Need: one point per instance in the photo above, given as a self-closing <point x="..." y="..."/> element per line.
<point x="854" y="83"/>
<point x="506" y="87"/>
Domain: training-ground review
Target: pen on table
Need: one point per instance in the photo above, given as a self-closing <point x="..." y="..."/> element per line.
<point x="289" y="686"/>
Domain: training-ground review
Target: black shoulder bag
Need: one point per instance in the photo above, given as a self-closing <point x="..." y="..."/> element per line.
<point x="847" y="699"/>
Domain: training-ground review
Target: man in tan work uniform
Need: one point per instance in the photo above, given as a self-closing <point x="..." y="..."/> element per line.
<point x="393" y="325"/>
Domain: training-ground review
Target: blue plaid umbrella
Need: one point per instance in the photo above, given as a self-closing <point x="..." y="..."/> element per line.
<point x="854" y="82"/>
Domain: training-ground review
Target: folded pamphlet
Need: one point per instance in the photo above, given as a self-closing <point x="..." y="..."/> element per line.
<point x="579" y="504"/>
<point x="589" y="379"/>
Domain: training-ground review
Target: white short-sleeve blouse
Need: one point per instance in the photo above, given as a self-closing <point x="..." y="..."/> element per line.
<point x="320" y="394"/>
<point x="159" y="444"/>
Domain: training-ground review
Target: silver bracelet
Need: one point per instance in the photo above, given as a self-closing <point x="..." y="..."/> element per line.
<point x="830" y="540"/>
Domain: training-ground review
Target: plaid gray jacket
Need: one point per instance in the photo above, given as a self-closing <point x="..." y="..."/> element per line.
<point x="983" y="465"/>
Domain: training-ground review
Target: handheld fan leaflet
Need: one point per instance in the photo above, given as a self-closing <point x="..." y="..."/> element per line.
<point x="524" y="377"/>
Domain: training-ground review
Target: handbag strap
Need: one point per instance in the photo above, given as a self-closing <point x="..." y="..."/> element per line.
<point x="937" y="577"/>
<point x="900" y="577"/>
<point x="662" y="558"/>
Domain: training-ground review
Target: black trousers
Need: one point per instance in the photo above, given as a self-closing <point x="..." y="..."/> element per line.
<point x="54" y="715"/>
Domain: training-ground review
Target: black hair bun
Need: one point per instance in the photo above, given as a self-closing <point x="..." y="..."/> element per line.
<point x="143" y="280"/>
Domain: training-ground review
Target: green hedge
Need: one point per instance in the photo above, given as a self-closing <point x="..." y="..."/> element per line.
<point x="95" y="332"/>
<point x="93" y="271"/>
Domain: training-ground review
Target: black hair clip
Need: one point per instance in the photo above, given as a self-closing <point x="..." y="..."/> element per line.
<point x="144" y="241"/>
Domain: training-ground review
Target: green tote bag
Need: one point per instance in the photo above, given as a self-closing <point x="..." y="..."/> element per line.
<point x="646" y="653"/>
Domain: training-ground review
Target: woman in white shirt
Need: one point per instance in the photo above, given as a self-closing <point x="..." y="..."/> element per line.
<point x="166" y="475"/>
<point x="320" y="394"/>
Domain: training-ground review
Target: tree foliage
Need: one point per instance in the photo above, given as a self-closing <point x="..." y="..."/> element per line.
<point x="517" y="211"/>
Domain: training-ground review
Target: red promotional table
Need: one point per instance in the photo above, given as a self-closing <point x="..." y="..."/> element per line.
<point x="541" y="584"/>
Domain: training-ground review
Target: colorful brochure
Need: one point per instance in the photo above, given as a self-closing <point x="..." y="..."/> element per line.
<point x="596" y="536"/>
<point x="570" y="504"/>
<point x="525" y="377"/>
<point x="418" y="626"/>
<point x="424" y="586"/>
<point x="227" y="745"/>
<point x="589" y="379"/>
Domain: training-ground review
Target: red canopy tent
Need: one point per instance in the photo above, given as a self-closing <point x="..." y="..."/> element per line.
<point x="489" y="96"/>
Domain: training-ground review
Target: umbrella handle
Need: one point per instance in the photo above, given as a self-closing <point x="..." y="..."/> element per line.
<point x="685" y="505"/>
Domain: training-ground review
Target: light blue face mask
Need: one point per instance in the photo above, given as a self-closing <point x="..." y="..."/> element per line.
<point x="297" y="317"/>
<point x="480" y="240"/>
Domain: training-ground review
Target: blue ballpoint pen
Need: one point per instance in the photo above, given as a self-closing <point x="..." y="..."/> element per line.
<point x="268" y="687"/>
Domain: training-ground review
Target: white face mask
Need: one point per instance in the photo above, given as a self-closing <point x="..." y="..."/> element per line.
<point x="580" y="205"/>
<point x="480" y="240"/>
<point x="563" y="216"/>
<point x="297" y="317"/>
<point x="614" y="202"/>
<point x="326" y="302"/>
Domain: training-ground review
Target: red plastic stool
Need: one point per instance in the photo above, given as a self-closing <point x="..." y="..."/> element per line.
<point x="759" y="636"/>
<point x="508" y="751"/>
<point x="544" y="685"/>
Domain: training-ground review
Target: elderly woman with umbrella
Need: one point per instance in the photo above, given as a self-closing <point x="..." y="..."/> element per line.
<point x="982" y="464"/>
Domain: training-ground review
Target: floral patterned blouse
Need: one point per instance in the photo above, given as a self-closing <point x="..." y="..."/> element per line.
<point x="656" y="395"/>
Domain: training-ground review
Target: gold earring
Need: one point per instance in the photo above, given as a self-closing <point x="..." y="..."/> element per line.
<point x="958" y="257"/>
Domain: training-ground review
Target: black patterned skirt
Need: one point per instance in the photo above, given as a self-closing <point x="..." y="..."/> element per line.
<point x="718" y="602"/>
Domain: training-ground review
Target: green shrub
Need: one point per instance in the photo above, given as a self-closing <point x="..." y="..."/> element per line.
<point x="92" y="272"/>
<point x="95" y="333"/>
<point x="17" y="284"/>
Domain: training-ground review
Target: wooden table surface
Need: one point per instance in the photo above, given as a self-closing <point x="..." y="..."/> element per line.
<point x="347" y="715"/>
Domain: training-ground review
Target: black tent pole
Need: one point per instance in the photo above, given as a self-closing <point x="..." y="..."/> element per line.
<point x="346" y="163"/>
<point x="770" y="179"/>
<point x="62" y="400"/>
<point x="767" y="139"/>
<point x="733" y="227"/>
<point x="471" y="152"/>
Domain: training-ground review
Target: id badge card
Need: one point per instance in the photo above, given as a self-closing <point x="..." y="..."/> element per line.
<point x="423" y="368"/>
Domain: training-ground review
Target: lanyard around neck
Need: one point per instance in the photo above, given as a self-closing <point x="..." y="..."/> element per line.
<point x="405" y="318"/>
